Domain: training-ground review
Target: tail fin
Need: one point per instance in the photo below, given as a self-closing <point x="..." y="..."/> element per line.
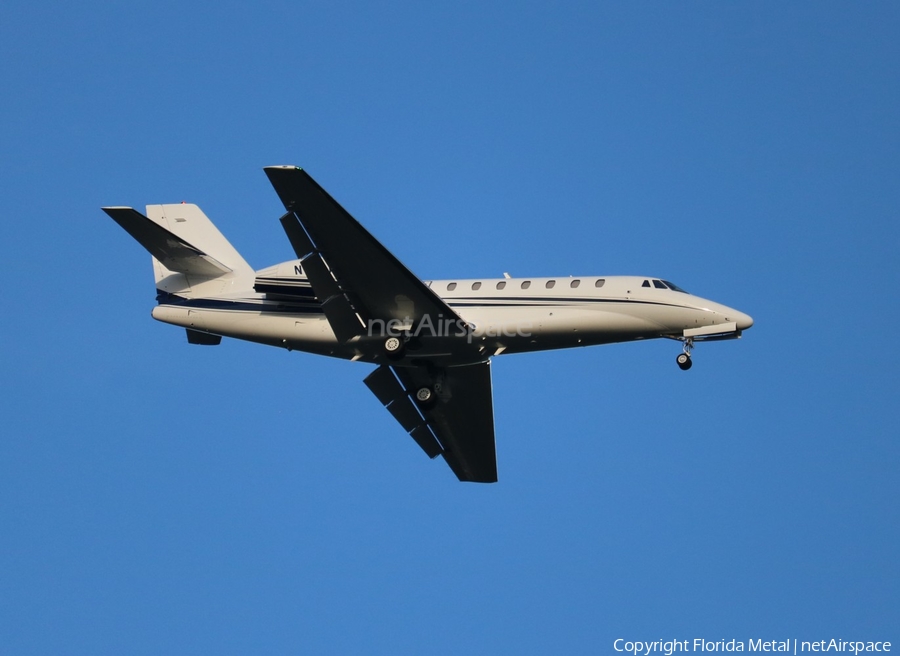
<point x="187" y="249"/>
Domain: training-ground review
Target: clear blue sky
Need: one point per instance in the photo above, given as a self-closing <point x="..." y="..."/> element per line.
<point x="161" y="498"/>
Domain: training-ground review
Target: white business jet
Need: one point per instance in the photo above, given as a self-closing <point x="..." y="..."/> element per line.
<point x="348" y="297"/>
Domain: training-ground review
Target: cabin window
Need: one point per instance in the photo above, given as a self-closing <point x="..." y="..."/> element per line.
<point x="600" y="282"/>
<point x="574" y="284"/>
<point x="526" y="284"/>
<point x="550" y="284"/>
<point x="451" y="286"/>
<point x="476" y="285"/>
<point x="501" y="284"/>
<point x="646" y="283"/>
<point x="659" y="284"/>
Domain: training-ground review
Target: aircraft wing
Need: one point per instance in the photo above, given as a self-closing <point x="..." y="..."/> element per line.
<point x="356" y="277"/>
<point x="459" y="425"/>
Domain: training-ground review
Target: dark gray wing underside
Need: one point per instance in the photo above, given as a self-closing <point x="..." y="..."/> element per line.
<point x="374" y="282"/>
<point x="459" y="425"/>
<point x="358" y="280"/>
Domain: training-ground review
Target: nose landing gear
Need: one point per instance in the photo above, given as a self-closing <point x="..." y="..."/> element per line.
<point x="684" y="358"/>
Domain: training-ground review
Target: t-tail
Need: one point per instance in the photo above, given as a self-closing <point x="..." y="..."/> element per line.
<point x="191" y="258"/>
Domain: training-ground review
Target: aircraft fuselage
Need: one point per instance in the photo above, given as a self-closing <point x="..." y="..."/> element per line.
<point x="501" y="316"/>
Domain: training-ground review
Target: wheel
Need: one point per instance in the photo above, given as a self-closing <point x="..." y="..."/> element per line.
<point x="393" y="347"/>
<point x="684" y="361"/>
<point x="425" y="396"/>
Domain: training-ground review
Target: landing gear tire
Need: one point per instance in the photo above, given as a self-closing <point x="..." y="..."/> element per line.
<point x="393" y="348"/>
<point x="425" y="397"/>
<point x="684" y="361"/>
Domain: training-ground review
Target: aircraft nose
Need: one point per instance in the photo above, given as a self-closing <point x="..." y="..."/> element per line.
<point x="743" y="321"/>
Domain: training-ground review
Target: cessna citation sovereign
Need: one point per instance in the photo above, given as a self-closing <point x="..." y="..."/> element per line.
<point x="348" y="297"/>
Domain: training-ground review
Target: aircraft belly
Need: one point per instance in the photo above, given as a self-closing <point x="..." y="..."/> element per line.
<point x="533" y="328"/>
<point x="292" y="331"/>
<point x="557" y="321"/>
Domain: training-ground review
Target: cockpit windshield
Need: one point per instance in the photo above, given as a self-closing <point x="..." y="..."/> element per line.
<point x="674" y="288"/>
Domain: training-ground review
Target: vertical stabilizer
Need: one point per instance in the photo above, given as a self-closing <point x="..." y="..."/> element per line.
<point x="190" y="255"/>
<point x="189" y="223"/>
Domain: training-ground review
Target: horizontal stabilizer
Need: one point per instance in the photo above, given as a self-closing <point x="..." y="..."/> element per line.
<point x="172" y="251"/>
